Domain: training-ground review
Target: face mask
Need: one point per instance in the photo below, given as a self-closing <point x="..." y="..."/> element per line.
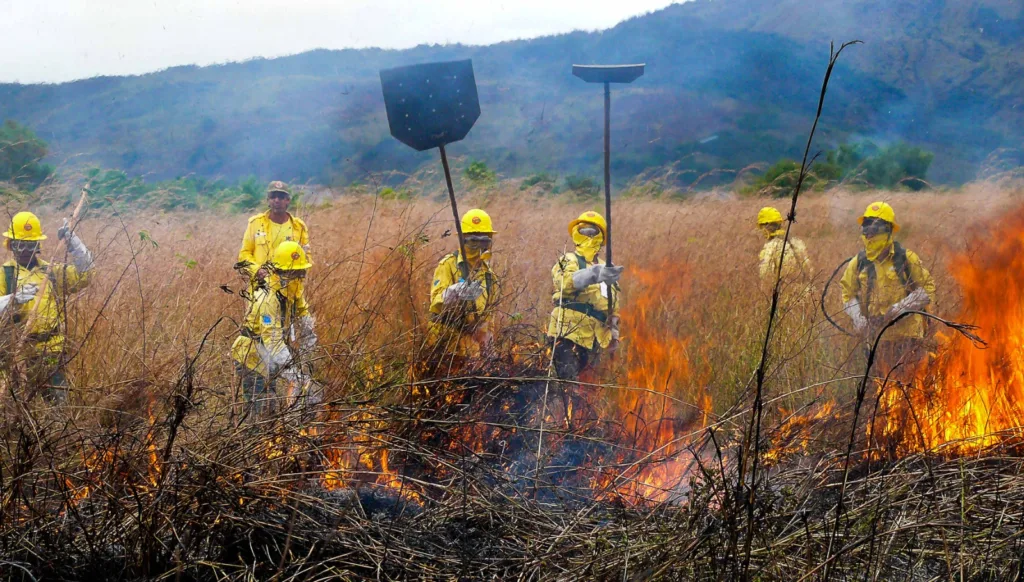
<point x="875" y="245"/>
<point x="588" y="246"/>
<point x="770" y="234"/>
<point x="478" y="248"/>
<point x="291" y="289"/>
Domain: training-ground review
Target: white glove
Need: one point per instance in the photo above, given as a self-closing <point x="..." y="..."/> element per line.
<point x="80" y="255"/>
<point x="462" y="291"/>
<point x="917" y="299"/>
<point x="25" y="294"/>
<point x="852" y="309"/>
<point x="614" y="325"/>
<point x="274" y="357"/>
<point x="81" y="258"/>
<point x="586" y="277"/>
<point x="307" y="337"/>
<point x="610" y="275"/>
<point x="64" y="230"/>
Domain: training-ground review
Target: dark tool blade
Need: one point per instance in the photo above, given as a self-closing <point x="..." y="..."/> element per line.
<point x="432" y="104"/>
<point x="608" y="73"/>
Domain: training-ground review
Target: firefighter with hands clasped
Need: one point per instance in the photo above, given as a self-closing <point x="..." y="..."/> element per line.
<point x="883" y="281"/>
<point x="31" y="309"/>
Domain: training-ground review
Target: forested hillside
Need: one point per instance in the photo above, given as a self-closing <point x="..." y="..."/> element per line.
<point x="728" y="83"/>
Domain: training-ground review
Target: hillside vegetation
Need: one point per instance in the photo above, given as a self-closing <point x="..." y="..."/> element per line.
<point x="728" y="84"/>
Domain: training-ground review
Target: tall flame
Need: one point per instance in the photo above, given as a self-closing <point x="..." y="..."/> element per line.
<point x="967" y="398"/>
<point x="664" y="405"/>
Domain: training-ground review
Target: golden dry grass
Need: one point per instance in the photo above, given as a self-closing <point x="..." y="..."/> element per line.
<point x="374" y="261"/>
<point x="694" y="312"/>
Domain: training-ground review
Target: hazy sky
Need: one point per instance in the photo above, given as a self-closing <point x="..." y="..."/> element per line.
<point x="59" y="40"/>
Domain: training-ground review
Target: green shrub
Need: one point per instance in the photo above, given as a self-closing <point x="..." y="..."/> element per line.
<point x="187" y="193"/>
<point x="899" y="165"/>
<point x="389" y="193"/>
<point x="543" y="180"/>
<point x="780" y="179"/>
<point x="21" y="154"/>
<point x="479" y="174"/>
<point x="582" y="186"/>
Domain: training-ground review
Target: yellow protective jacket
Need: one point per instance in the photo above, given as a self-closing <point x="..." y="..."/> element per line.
<point x="270" y="314"/>
<point x="257" y="245"/>
<point x="45" y="313"/>
<point x="460" y="329"/>
<point x="580" y="316"/>
<point x="879" y="284"/>
<point x="794" y="263"/>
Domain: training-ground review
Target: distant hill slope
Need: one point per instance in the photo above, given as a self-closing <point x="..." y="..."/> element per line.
<point x="944" y="74"/>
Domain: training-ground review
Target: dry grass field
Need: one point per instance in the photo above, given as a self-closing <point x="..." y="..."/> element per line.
<point x="150" y="471"/>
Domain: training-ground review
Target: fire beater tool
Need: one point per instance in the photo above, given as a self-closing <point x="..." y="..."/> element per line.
<point x="429" y="106"/>
<point x="608" y="74"/>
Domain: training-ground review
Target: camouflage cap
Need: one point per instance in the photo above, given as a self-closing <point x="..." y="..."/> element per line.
<point x="278" y="186"/>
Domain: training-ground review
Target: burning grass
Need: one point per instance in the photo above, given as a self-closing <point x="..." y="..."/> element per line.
<point x="491" y="470"/>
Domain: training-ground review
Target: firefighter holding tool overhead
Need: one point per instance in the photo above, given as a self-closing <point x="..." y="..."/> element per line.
<point x="463" y="293"/>
<point x="582" y="323"/>
<point x="32" y="302"/>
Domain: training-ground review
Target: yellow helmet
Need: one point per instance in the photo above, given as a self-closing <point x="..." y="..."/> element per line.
<point x="882" y="211"/>
<point x="477" y="220"/>
<point x="25" y="226"/>
<point x="768" y="215"/>
<point x="289" y="256"/>
<point x="593" y="218"/>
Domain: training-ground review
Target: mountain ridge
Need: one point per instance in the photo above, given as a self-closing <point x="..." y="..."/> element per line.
<point x="746" y="71"/>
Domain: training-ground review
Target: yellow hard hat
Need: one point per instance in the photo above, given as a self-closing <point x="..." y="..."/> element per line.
<point x="768" y="215"/>
<point x="882" y="211"/>
<point x="25" y="226"/>
<point x="289" y="256"/>
<point x="476" y="220"/>
<point x="593" y="218"/>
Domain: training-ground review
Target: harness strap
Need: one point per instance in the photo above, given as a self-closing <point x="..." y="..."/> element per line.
<point x="10" y="279"/>
<point x="586" y="309"/>
<point x="899" y="264"/>
<point x="580" y="306"/>
<point x="38" y="338"/>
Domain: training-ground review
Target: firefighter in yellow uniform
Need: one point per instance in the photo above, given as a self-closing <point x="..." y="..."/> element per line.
<point x="262" y="353"/>
<point x="33" y="295"/>
<point x="883" y="281"/>
<point x="795" y="261"/>
<point x="464" y="292"/>
<point x="266" y="231"/>
<point x="581" y="324"/>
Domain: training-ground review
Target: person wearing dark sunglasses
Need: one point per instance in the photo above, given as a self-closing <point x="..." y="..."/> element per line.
<point x="463" y="293"/>
<point x="883" y="281"/>
<point x="33" y="304"/>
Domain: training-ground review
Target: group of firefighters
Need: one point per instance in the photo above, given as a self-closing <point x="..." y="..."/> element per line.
<point x="880" y="283"/>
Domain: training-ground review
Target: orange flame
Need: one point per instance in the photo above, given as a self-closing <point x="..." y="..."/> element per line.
<point x="967" y="398"/>
<point x="664" y="405"/>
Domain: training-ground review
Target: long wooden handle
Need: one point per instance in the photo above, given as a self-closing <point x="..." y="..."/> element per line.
<point x="41" y="293"/>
